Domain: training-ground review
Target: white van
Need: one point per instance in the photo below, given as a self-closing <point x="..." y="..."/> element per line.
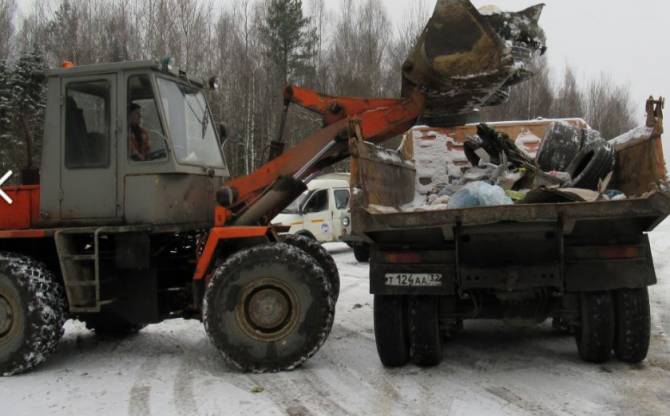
<point x="322" y="212"/>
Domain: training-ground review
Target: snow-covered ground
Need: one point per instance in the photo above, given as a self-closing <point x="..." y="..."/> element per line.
<point x="490" y="369"/>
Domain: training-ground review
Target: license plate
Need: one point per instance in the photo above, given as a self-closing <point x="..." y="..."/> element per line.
<point x="413" y="279"/>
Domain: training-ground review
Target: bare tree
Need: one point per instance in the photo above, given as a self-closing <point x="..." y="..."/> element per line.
<point x="7" y="12"/>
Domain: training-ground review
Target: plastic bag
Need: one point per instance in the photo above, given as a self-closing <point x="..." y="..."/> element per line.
<point x="479" y="194"/>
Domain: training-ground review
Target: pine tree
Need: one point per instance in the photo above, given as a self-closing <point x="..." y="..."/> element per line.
<point x="27" y="100"/>
<point x="289" y="40"/>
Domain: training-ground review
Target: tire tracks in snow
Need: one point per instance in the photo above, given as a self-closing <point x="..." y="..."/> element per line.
<point x="140" y="393"/>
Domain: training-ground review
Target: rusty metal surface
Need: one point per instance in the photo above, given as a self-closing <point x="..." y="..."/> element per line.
<point x="656" y="206"/>
<point x="466" y="60"/>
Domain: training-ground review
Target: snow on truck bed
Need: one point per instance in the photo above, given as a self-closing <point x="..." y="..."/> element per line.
<point x="490" y="369"/>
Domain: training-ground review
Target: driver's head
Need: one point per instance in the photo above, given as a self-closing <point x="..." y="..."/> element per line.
<point x="134" y="115"/>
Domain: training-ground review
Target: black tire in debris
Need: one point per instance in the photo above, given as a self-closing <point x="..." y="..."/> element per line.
<point x="32" y="313"/>
<point x="111" y="325"/>
<point x="391" y="336"/>
<point x="561" y="143"/>
<point x="362" y="252"/>
<point x="269" y="308"/>
<point x="593" y="163"/>
<point x="633" y="324"/>
<point x="595" y="336"/>
<point x="316" y="250"/>
<point x="425" y="338"/>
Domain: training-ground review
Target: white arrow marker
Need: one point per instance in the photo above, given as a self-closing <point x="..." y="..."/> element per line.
<point x="3" y="195"/>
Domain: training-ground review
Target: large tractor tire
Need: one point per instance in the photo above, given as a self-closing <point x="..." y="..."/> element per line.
<point x="633" y="324"/>
<point x="593" y="163"/>
<point x="32" y="313"/>
<point x="425" y="338"/>
<point x="110" y="325"/>
<point x="269" y="308"/>
<point x="595" y="336"/>
<point x="391" y="337"/>
<point x="362" y="252"/>
<point x="316" y="250"/>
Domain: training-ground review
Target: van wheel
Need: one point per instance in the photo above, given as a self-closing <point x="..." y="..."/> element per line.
<point x="268" y="308"/>
<point x="595" y="336"/>
<point x="325" y="260"/>
<point x="391" y="337"/>
<point x="362" y="252"/>
<point x="425" y="338"/>
<point x="32" y="313"/>
<point x="633" y="324"/>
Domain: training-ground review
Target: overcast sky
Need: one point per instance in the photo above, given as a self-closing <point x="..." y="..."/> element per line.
<point x="628" y="39"/>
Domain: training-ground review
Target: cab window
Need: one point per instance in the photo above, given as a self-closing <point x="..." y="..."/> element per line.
<point x="317" y="203"/>
<point x="146" y="138"/>
<point x="341" y="198"/>
<point x="87" y="125"/>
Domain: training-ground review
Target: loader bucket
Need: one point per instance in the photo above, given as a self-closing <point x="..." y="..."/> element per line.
<point x="466" y="59"/>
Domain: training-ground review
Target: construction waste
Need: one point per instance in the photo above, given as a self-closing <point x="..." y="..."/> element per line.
<point x="571" y="163"/>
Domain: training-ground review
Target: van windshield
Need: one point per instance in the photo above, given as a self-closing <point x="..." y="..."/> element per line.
<point x="294" y="207"/>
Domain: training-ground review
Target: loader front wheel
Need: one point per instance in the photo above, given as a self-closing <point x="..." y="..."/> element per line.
<point x="269" y="308"/>
<point x="32" y="313"/>
<point x="325" y="260"/>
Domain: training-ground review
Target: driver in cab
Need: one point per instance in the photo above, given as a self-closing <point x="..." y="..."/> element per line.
<point x="138" y="138"/>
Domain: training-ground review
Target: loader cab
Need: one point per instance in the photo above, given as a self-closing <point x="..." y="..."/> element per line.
<point x="128" y="143"/>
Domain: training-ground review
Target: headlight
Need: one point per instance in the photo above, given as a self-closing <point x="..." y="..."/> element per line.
<point x="345" y="221"/>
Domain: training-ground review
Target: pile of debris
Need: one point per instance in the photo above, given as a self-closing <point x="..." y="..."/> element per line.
<point x="573" y="163"/>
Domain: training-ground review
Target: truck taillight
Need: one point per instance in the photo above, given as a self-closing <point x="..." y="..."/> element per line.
<point x="402" y="257"/>
<point x="619" y="252"/>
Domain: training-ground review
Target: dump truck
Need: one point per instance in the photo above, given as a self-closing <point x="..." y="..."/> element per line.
<point x="585" y="263"/>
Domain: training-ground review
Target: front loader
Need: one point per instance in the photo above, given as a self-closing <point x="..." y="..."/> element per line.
<point x="135" y="218"/>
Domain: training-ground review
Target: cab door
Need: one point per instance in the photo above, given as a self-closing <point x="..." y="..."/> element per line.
<point x="318" y="218"/>
<point x="88" y="152"/>
<point x="341" y="216"/>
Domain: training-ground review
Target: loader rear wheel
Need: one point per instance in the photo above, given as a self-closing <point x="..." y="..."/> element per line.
<point x="32" y="313"/>
<point x="316" y="250"/>
<point x="595" y="336"/>
<point x="269" y="308"/>
<point x="633" y="324"/>
<point x="109" y="325"/>
<point x="425" y="337"/>
<point x="391" y="337"/>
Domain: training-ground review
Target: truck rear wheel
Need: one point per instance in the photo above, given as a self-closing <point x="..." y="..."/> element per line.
<point x="269" y="308"/>
<point x="595" y="336"/>
<point x="391" y="337"/>
<point x="633" y="324"/>
<point x="425" y="339"/>
<point x="362" y="252"/>
<point x="32" y="313"/>
<point x="316" y="250"/>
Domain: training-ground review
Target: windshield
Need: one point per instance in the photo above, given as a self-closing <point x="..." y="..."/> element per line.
<point x="294" y="207"/>
<point x="191" y="127"/>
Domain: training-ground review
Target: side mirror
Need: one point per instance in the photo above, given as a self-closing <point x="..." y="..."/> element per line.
<point x="223" y="133"/>
<point x="214" y="83"/>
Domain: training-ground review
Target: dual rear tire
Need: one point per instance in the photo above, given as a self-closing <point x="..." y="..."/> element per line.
<point x="407" y="328"/>
<point x="618" y="321"/>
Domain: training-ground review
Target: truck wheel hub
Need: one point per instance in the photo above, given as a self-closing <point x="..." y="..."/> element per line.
<point x="6" y="316"/>
<point x="269" y="310"/>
